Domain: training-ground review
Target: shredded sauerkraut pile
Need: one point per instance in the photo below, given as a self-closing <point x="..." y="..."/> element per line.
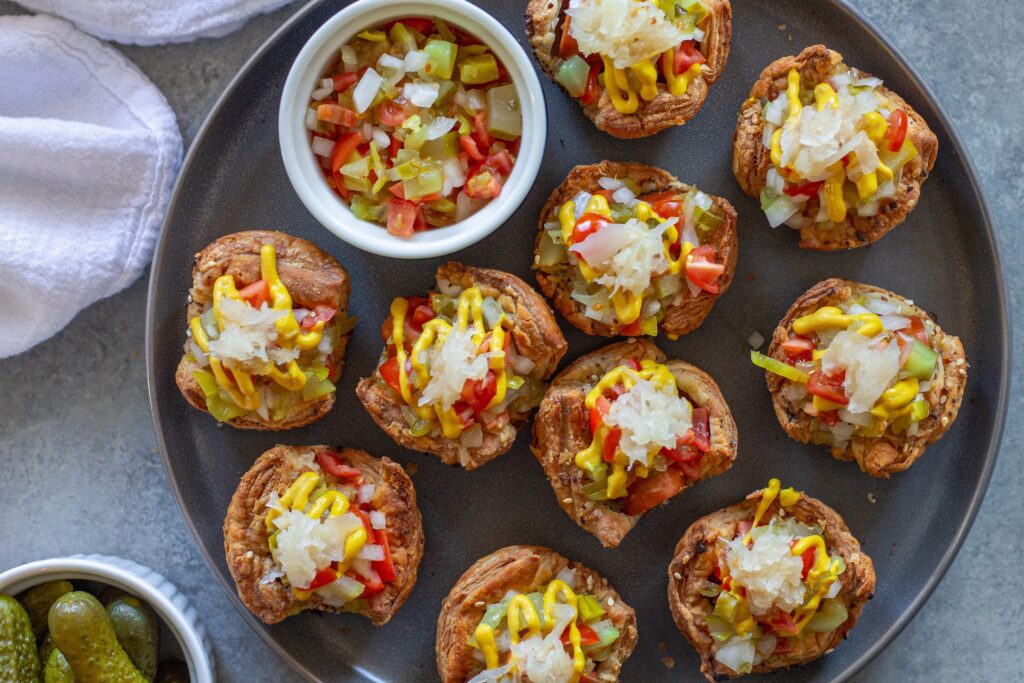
<point x="651" y="418"/>
<point x="303" y="544"/>
<point x="625" y="31"/>
<point x="451" y="366"/>
<point x="247" y="340"/>
<point x="768" y="570"/>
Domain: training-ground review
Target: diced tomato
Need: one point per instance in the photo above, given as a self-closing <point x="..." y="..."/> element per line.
<point x="386" y="328"/>
<point x="703" y="272"/>
<point x="829" y="417"/>
<point x="484" y="185"/>
<point x="394" y="146"/>
<point x="483" y="138"/>
<point x="470" y="147"/>
<point x="401" y="217"/>
<point x="727" y="584"/>
<point x="492" y="422"/>
<point x="477" y="393"/>
<point x="421" y="316"/>
<point x="420" y="25"/>
<point x="389" y="372"/>
<point x="798" y="348"/>
<point x="588" y="636"/>
<point x="323" y="577"/>
<point x="332" y="464"/>
<point x="343" y="149"/>
<point x="633" y="329"/>
<point x="701" y="429"/>
<point x="567" y="45"/>
<point x="783" y="623"/>
<point x="690" y="469"/>
<point x="372" y="586"/>
<point x="318" y="314"/>
<point x="390" y="113"/>
<point x="686" y="55"/>
<point x="808" y="189"/>
<point x="585" y="678"/>
<point x="682" y="453"/>
<point x="501" y="161"/>
<point x="648" y="493"/>
<point x="593" y="90"/>
<point x="669" y="208"/>
<point x="343" y="82"/>
<point x="611" y="444"/>
<point x="256" y="294"/>
<point x="597" y="413"/>
<point x="386" y="567"/>
<point x="633" y="363"/>
<point x="828" y="387"/>
<point x="587" y="225"/>
<point x="808" y="558"/>
<point x="897" y="131"/>
<point x="782" y="646"/>
<point x="337" y="114"/>
<point x="917" y="330"/>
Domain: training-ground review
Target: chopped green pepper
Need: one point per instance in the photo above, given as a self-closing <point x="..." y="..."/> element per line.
<point x="829" y="617"/>
<point x="727" y="607"/>
<point x="590" y="609"/>
<point x="573" y="74"/>
<point x="921" y="361"/>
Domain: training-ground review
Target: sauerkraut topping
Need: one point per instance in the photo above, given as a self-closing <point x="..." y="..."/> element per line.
<point x="647" y="438"/>
<point x="837" y="148"/>
<point x="451" y="361"/>
<point x="773" y="581"/>
<point x="624" y="31"/>
<point x="633" y="257"/>
<point x="862" y="369"/>
<point x="325" y="537"/>
<point x="259" y="354"/>
<point x="554" y="635"/>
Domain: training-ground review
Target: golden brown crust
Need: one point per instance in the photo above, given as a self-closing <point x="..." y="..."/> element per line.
<point x="751" y="160"/>
<point x="245" y="533"/>
<point x="557" y="284"/>
<point x="885" y="455"/>
<point x="695" y="557"/>
<point x="525" y="569"/>
<point x="535" y="335"/>
<point x="543" y="19"/>
<point x="312" y="277"/>
<point x="562" y="429"/>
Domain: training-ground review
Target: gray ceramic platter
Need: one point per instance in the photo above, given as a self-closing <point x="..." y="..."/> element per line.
<point x="943" y="257"/>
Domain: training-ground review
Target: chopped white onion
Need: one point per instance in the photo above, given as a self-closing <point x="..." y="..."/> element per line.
<point x="580" y="203"/>
<point x="415" y="60"/>
<point x="609" y="183"/>
<point x="623" y="195"/>
<point x="311" y="119"/>
<point x="366" y="90"/>
<point x="445" y="286"/>
<point x="322" y="93"/>
<point x="895" y="322"/>
<point x="521" y="365"/>
<point x="382" y="139"/>
<point x="475" y="100"/>
<point x="775" y="181"/>
<point x="755" y="340"/>
<point x="377" y="519"/>
<point x="388" y="61"/>
<point x="348" y="58"/>
<point x="472" y="437"/>
<point x="466" y="206"/>
<point x="568" y="575"/>
<point x="421" y="94"/>
<point x="365" y="494"/>
<point x="322" y="146"/>
<point x="454" y="175"/>
<point x="439" y="127"/>
<point x="372" y="552"/>
<point x="798" y="221"/>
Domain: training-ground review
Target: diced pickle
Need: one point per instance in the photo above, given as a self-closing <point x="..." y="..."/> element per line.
<point x="444" y="147"/>
<point x="504" y="118"/>
<point x="727" y="607"/>
<point x="440" y="58"/>
<point x="590" y="609"/>
<point x="549" y="253"/>
<point x="573" y="74"/>
<point x="478" y="69"/>
<point x="401" y="36"/>
<point x="831" y="616"/>
<point x="429" y="181"/>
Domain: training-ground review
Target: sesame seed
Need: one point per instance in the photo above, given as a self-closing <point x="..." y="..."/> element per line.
<point x="963" y="372"/>
<point x="677" y="576"/>
<point x="960" y="361"/>
<point x="611" y="602"/>
<point x="944" y="420"/>
<point x="567" y="500"/>
<point x="943" y="399"/>
<point x="480" y="603"/>
<point x="855" y="557"/>
<point x="249" y="555"/>
<point x="631" y="340"/>
<point x="872" y="498"/>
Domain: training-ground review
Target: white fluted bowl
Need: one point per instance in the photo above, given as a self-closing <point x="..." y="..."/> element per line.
<point x="167" y="601"/>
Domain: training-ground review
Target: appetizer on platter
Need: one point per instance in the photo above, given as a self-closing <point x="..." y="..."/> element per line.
<point x="830" y="151"/>
<point x="636" y="66"/>
<point x="416" y="125"/>
<point x="525" y="613"/>
<point x="864" y="372"/>
<point x="623" y="429"/>
<point x="315" y="528"/>
<point x="463" y="366"/>
<point x="268" y="325"/>
<point x="767" y="583"/>
<point x="625" y="248"/>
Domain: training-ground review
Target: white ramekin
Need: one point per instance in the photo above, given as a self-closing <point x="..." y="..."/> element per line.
<point x="170" y="604"/>
<point x="304" y="170"/>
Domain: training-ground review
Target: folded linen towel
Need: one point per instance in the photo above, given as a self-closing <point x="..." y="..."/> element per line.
<point x="151" y="22"/>
<point x="89" y="150"/>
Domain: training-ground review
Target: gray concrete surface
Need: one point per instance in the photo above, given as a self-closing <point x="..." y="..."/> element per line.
<point x="81" y="472"/>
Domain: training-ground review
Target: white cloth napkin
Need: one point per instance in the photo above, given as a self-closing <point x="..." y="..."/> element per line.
<point x="89" y="149"/>
<point x="151" y="22"/>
